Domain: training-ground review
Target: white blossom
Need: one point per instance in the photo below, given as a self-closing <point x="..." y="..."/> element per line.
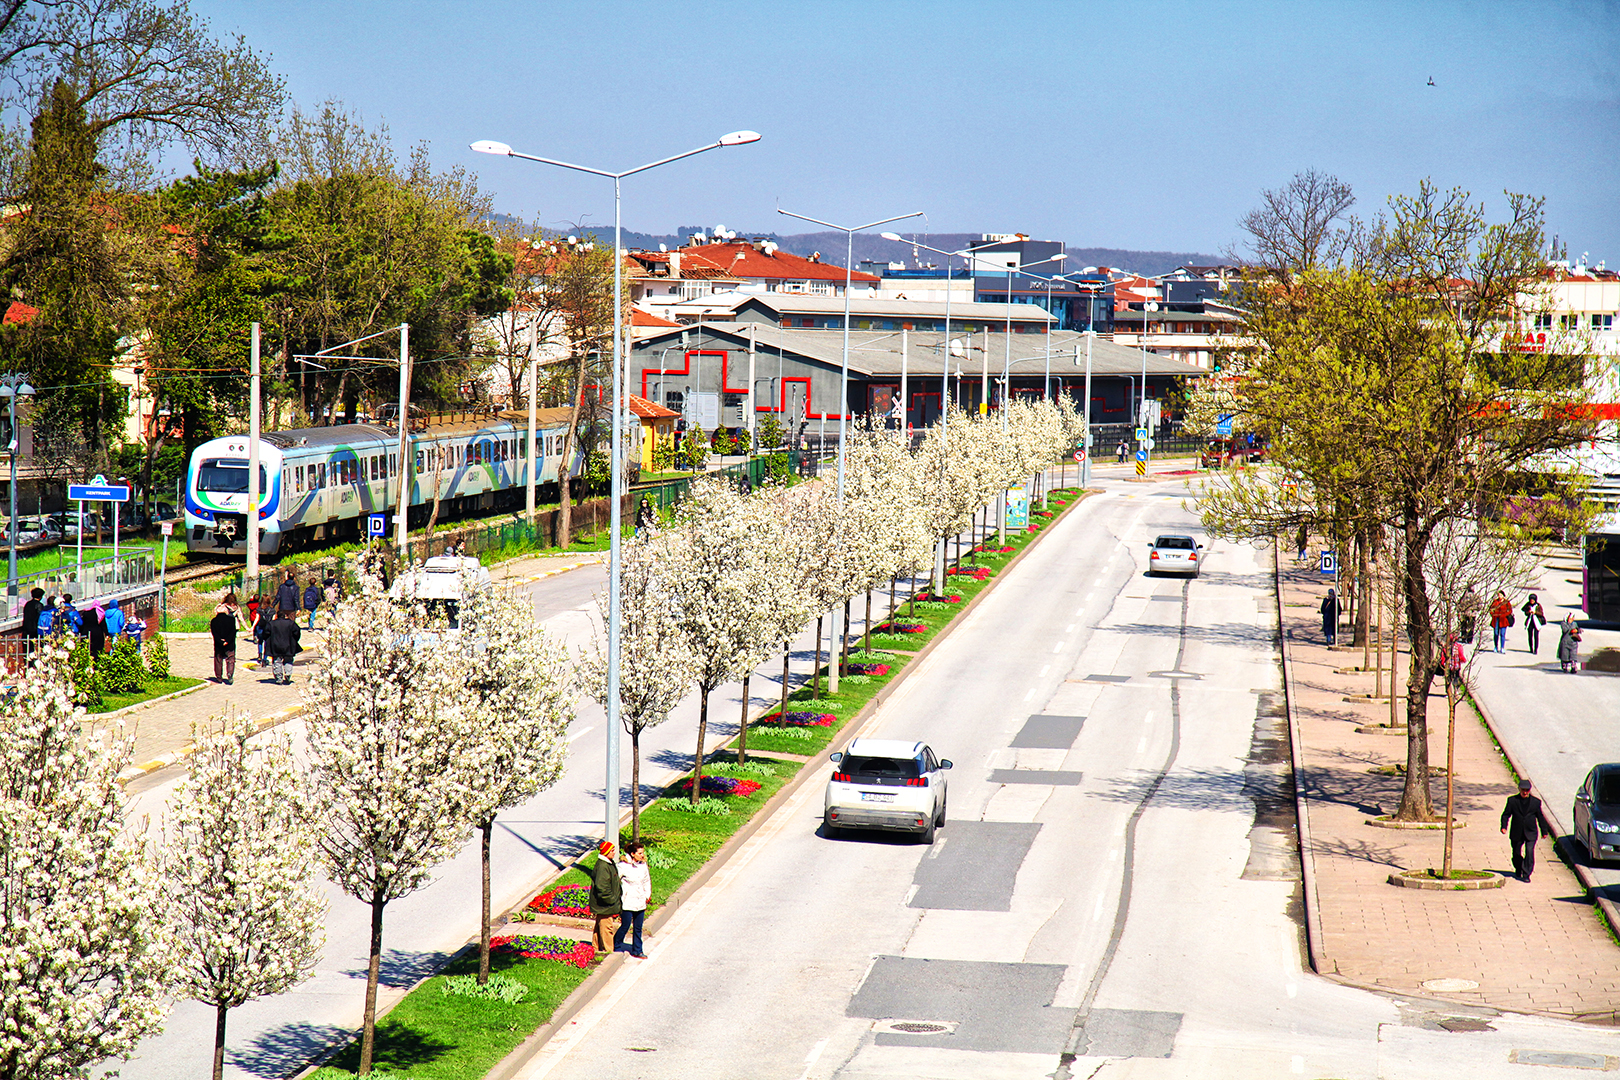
<point x="82" y="958"/>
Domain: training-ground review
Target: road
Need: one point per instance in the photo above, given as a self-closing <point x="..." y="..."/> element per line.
<point x="273" y="1036"/>
<point x="1114" y="894"/>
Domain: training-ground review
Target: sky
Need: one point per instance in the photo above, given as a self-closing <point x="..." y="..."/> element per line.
<point x="1151" y="126"/>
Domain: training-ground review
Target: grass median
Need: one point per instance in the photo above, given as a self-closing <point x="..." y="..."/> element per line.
<point x="433" y="1034"/>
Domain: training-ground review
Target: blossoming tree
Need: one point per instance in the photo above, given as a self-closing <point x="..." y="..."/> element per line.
<point x="239" y="888"/>
<point x="387" y="719"/>
<point x="82" y="961"/>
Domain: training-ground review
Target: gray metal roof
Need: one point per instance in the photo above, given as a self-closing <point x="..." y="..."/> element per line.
<point x="860" y="307"/>
<point x="334" y="435"/>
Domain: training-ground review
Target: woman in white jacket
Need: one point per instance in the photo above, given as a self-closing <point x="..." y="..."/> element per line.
<point x="636" y="878"/>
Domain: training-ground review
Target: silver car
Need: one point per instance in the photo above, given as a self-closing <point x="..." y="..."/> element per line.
<point x="1174" y="554"/>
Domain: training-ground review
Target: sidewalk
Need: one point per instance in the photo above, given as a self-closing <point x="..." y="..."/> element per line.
<point x="1535" y="948"/>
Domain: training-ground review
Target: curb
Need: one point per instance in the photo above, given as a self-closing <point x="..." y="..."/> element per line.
<point x="553" y="573"/>
<point x="1561" y="838"/>
<point x="175" y="757"/>
<point x="1320" y="962"/>
<point x="508" y="1067"/>
<point x="1404" y="880"/>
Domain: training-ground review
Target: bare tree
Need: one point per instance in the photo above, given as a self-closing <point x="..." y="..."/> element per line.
<point x="1302" y="226"/>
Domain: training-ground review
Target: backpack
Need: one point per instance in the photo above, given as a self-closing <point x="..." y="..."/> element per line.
<point x="312" y="598"/>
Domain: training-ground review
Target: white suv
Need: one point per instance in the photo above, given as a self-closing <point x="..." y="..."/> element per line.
<point x="887" y="784"/>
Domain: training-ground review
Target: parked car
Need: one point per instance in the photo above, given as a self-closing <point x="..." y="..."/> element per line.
<point x="31" y="530"/>
<point x="70" y="523"/>
<point x="166" y="511"/>
<point x="887" y="784"/>
<point x="1174" y="554"/>
<point x="1597" y="813"/>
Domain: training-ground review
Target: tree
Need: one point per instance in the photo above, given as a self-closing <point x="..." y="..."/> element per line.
<point x="655" y="658"/>
<point x="1392" y="390"/>
<point x="388" y="733"/>
<point x="1303" y="226"/>
<point x="239" y="886"/>
<point x="522" y="697"/>
<point x="82" y="959"/>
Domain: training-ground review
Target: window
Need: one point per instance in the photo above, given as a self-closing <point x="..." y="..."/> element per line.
<point x="795" y="286"/>
<point x="1568" y="322"/>
<point x="1603" y="322"/>
<point x="1543" y="322"/>
<point x="820" y="288"/>
<point x="228" y="476"/>
<point x="322" y="482"/>
<point x="298" y="478"/>
<point x="374" y="461"/>
<point x="419" y="461"/>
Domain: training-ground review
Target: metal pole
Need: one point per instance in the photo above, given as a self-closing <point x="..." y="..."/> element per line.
<point x="78" y="572"/>
<point x="1085" y="461"/>
<point x="11" y="530"/>
<point x="616" y="490"/>
<point x="751" y="405"/>
<point x="407" y="461"/>
<point x="905" y="356"/>
<point x="252" y="520"/>
<point x="533" y="457"/>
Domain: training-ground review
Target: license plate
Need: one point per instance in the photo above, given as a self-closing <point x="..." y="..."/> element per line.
<point x="876" y="796"/>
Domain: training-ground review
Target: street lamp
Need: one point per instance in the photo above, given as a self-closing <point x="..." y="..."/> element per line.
<point x="486" y="146"/>
<point x="13" y="387"/>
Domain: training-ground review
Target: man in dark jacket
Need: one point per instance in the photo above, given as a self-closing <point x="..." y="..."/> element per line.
<point x="312" y="600"/>
<point x="30" y="626"/>
<point x="287" y="595"/>
<point x="283" y="647"/>
<point x="223" y="627"/>
<point x="606" y="896"/>
<point x="1521" y="821"/>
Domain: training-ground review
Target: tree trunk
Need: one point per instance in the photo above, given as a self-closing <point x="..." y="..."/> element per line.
<point x="782" y="712"/>
<point x="219" y="1040"/>
<point x="866" y="640"/>
<point x="742" y="737"/>
<point x="1416" y="804"/>
<point x="843" y="642"/>
<point x="703" y="731"/>
<point x="815" y="677"/>
<point x="635" y="784"/>
<point x="562" y="538"/>
<point x="1363" y="614"/>
<point x="894" y="584"/>
<point x="485" y="828"/>
<point x="368" y="1028"/>
<point x="1451" y="770"/>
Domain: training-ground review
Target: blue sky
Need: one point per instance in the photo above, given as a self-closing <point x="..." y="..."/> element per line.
<point x="1133" y="125"/>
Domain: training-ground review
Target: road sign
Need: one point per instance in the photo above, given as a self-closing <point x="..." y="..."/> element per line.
<point x="1141" y="434"/>
<point x="377" y="525"/>
<point x="1079" y="455"/>
<point x="1329" y="563"/>
<point x="1141" y="466"/>
<point x="1223" y="426"/>
<point x="98" y="490"/>
<point x="167" y="528"/>
<point x="1141" y="455"/>
<point x="1147" y="444"/>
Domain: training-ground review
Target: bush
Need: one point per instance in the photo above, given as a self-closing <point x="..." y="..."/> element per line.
<point x="157" y="657"/>
<point x="705" y="805"/>
<point x="722" y="442"/>
<point x="771" y="436"/>
<point x="665" y="454"/>
<point x="121" y="669"/>
<point x="777" y="469"/>
<point x="694" y="449"/>
<point x="87" y="688"/>
<point x="499" y="988"/>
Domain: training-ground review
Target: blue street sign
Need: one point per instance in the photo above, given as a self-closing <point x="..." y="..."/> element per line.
<point x="1223" y="426"/>
<point x="99" y="492"/>
<point x="377" y="525"/>
<point x="1330" y="562"/>
<point x="1141" y="455"/>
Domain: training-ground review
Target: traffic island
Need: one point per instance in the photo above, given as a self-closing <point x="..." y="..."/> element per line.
<point x="1456" y="881"/>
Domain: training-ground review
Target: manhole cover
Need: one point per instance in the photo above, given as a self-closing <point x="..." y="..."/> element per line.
<point x="1450" y="986"/>
<point x="1557" y="1059"/>
<point x="642" y="1049"/>
<point x="1465" y="1023"/>
<point x="916" y="1027"/>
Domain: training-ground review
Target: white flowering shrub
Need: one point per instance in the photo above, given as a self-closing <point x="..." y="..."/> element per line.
<point x="83" y="964"/>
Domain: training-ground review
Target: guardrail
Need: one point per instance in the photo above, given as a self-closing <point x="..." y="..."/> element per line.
<point x="128" y="574"/>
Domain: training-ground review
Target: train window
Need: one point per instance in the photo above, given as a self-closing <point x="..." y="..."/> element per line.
<point x="322" y="482"/>
<point x="374" y="460"/>
<point x="298" y="478"/>
<point x="228" y="476"/>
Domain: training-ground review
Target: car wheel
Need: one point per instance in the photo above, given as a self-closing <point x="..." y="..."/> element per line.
<point x="939" y="822"/>
<point x="928" y="833"/>
<point x="831" y="831"/>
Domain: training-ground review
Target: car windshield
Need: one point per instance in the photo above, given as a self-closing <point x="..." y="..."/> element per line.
<point x="228" y="476"/>
<point x="904" y="768"/>
<point x="1176" y="543"/>
<point x="1608" y="788"/>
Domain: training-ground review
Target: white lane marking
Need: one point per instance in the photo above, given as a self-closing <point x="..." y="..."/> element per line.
<point x="580" y="732"/>
<point x="1044" y="669"/>
<point x="1147" y="718"/>
<point x="1097" y="911"/>
<point x="1087" y="600"/>
<point x="1070" y="630"/>
<point x="1142" y="745"/>
<point x="1058" y="647"/>
<point x="812" y="1057"/>
<point x="1030" y="694"/>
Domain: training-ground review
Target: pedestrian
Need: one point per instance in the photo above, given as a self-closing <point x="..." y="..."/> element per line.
<point x="646" y="517"/>
<point x="1501" y="619"/>
<point x="1522" y="824"/>
<point x="1302" y="540"/>
<point x="282" y="642"/>
<point x="95" y="625"/>
<point x="1534" y="620"/>
<point x="47" y="616"/>
<point x="312" y="600"/>
<point x="1452" y="657"/>
<point x="1330" y="617"/>
<point x="331" y="589"/>
<point x="1119" y="452"/>
<point x="1569" y="645"/>
<point x="635" y="879"/>
<point x="287" y="594"/>
<point x="223" y="627"/>
<point x="606" y="895"/>
<point x="67" y="619"/>
<point x="116" y="620"/>
<point x="30" y="619"/>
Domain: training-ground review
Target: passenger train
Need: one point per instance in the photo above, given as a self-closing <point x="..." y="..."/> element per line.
<point x="316" y="485"/>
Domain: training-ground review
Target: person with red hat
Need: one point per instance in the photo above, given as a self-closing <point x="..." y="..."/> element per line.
<point x="607" y="894"/>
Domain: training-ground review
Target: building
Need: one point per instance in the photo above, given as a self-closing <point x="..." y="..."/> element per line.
<point x="878" y="312"/>
<point x="700" y="269"/>
<point x="657" y="426"/>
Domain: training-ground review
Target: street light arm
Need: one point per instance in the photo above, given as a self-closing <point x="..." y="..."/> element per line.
<point x="846" y="228"/>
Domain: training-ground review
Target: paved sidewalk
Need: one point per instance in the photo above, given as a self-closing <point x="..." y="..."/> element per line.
<point x="1535" y="947"/>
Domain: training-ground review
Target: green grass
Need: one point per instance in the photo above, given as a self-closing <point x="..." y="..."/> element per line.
<point x="154" y="689"/>
<point x="433" y="1036"/>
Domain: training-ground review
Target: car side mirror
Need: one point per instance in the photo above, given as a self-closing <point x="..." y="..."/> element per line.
<point x="837" y="757"/>
<point x="945" y="763"/>
<point x="1581" y="796"/>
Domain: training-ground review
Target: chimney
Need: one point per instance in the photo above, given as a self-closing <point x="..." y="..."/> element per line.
<point x="675" y="264"/>
<point x="815" y="256"/>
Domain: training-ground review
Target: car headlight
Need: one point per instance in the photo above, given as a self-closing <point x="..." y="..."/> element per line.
<point x="1605" y="827"/>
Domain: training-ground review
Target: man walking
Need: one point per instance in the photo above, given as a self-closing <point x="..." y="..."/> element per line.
<point x="283" y="647"/>
<point x="1330" y="617"/>
<point x="1521" y="821"/>
<point x="287" y="595"/>
<point x="312" y="600"/>
<point x="1120" y="451"/>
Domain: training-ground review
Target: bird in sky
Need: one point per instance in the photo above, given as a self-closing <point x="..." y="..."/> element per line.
<point x="1431" y="80"/>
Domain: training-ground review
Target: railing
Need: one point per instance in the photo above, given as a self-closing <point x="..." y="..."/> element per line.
<point x="128" y="573"/>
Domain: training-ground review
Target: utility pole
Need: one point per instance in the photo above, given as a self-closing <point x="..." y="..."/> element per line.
<point x="253" y="466"/>
<point x="407" y="466"/>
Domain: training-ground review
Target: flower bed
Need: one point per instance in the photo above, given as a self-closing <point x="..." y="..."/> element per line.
<point x="900" y="628"/>
<point x="721" y="785"/>
<point x="549" y="947"/>
<point x="867" y="669"/>
<point x="931" y="598"/>
<point x="797" y="719"/>
<point x="981" y="573"/>
<point x="1042" y="513"/>
<point x="982" y="548"/>
<point x="572" y="900"/>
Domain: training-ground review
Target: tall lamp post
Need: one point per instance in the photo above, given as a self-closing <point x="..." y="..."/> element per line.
<point x="13" y="387"/>
<point x="485" y="146"/>
<point x="843" y="384"/>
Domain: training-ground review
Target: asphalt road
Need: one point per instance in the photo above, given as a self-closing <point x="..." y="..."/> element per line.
<point x="1114" y="893"/>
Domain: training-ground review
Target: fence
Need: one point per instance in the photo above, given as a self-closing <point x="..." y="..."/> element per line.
<point x="1168" y="442"/>
<point x="128" y="574"/>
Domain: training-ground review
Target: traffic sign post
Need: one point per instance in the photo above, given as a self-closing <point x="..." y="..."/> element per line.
<point x="1329" y="563"/>
<point x="376" y="525"/>
<point x="97" y="490"/>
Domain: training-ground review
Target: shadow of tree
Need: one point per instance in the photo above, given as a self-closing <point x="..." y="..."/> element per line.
<point x="397" y="1046"/>
<point x="1373" y="793"/>
<point x="399" y="969"/>
<point x="558" y="850"/>
<point x="1220" y="790"/>
<point x="1358" y="849"/>
<point x="1232" y="633"/>
<point x="283" y="1051"/>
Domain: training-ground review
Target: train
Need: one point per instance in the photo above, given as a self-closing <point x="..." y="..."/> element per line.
<point x="317" y="485"/>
